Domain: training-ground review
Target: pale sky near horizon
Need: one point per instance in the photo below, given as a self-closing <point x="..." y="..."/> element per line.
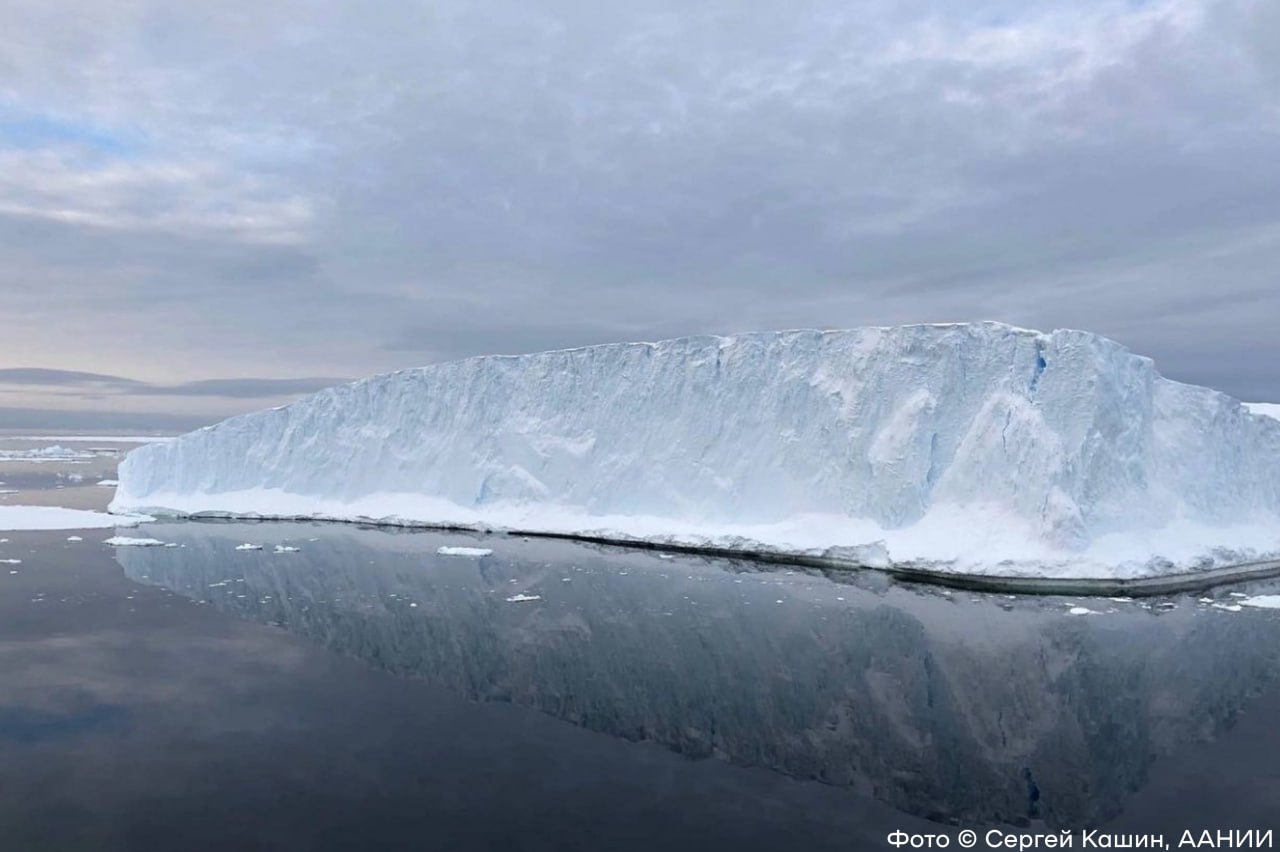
<point x="209" y="207"/>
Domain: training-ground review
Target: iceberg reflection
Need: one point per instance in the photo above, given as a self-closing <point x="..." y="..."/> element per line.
<point x="951" y="706"/>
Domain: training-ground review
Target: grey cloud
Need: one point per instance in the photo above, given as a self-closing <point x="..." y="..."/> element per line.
<point x="40" y="398"/>
<point x="91" y="417"/>
<point x="244" y="388"/>
<point x="45" y="376"/>
<point x="241" y="388"/>
<point x="353" y="188"/>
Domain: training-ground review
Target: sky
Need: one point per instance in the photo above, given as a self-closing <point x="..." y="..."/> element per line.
<point x="212" y="206"/>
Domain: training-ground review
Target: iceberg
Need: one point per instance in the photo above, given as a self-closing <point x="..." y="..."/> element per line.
<point x="974" y="447"/>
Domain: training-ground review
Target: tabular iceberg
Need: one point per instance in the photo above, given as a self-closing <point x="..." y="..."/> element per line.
<point x="979" y="447"/>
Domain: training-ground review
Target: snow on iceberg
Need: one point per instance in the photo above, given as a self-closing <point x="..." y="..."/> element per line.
<point x="1266" y="409"/>
<point x="976" y="447"/>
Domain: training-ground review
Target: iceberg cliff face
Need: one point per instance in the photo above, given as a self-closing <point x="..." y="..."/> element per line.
<point x="975" y="442"/>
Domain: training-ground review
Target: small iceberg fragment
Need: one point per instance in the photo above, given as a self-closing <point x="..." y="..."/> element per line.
<point x="126" y="541"/>
<point x="284" y="548"/>
<point x="1079" y="610"/>
<point x="46" y="454"/>
<point x="10" y="561"/>
<point x="110" y="483"/>
<point x="1263" y="602"/>
<point x="74" y="538"/>
<point x="521" y="598"/>
<point x="467" y="551"/>
<point x="248" y="546"/>
<point x="871" y="555"/>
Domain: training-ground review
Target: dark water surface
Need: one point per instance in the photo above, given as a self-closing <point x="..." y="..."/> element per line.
<point x="134" y="718"/>
<point x="367" y="692"/>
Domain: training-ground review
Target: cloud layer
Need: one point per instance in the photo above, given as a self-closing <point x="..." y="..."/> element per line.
<point x="225" y="189"/>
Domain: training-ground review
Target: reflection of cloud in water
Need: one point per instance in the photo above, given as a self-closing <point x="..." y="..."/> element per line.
<point x="26" y="725"/>
<point x="63" y="673"/>
<point x="943" y="705"/>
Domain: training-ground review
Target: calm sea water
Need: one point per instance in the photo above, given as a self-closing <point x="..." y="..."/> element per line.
<point x="368" y="692"/>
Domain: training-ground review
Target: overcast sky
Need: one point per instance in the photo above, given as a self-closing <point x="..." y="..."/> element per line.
<point x="278" y="195"/>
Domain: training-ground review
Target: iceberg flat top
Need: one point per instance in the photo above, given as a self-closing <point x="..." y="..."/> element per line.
<point x="974" y="446"/>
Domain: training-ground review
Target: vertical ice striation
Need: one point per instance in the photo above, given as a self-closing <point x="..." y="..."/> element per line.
<point x="1067" y="434"/>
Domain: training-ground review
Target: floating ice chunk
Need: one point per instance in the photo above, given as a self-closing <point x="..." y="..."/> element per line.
<point x="284" y="548"/>
<point x="58" y="518"/>
<point x="871" y="555"/>
<point x="46" y="454"/>
<point x="464" y="551"/>
<point x="11" y="561"/>
<point x="74" y="538"/>
<point x="109" y="482"/>
<point x="126" y="541"/>
<point x="248" y="546"/>
<point x="1263" y="601"/>
<point x="521" y="598"/>
<point x="1079" y="610"/>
